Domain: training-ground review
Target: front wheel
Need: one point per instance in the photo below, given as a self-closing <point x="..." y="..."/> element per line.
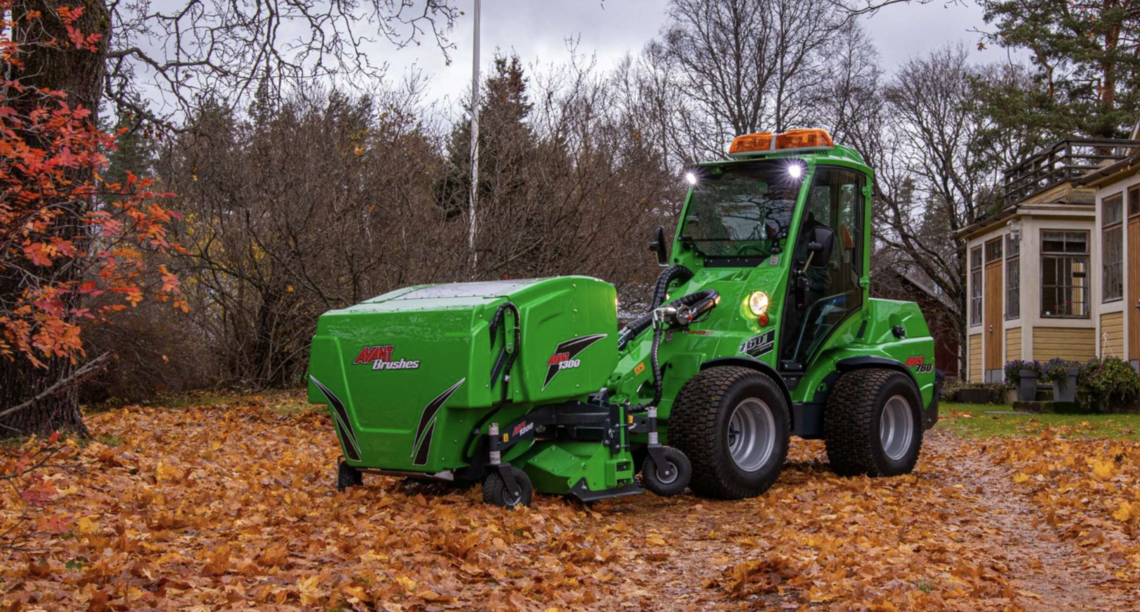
<point x="873" y="424"/>
<point x="733" y="425"/>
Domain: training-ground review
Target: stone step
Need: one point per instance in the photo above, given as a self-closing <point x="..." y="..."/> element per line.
<point x="1050" y="407"/>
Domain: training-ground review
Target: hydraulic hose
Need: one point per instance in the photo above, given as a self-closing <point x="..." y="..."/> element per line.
<point x="667" y="276"/>
<point x="640" y="324"/>
<point x="657" y="386"/>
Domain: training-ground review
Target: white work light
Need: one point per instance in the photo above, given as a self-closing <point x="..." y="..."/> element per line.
<point x="758" y="303"/>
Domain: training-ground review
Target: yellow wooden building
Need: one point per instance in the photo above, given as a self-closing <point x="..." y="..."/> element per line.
<point x="1056" y="272"/>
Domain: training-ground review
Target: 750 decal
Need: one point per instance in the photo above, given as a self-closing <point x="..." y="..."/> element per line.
<point x="918" y="362"/>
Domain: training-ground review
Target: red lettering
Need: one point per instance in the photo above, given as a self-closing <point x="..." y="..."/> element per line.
<point x="372" y="354"/>
<point x="558" y="358"/>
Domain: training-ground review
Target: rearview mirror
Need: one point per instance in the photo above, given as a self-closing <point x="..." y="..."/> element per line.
<point x="658" y="246"/>
<point x="820" y="242"/>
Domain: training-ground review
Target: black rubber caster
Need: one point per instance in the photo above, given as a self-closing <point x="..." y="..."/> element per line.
<point x="347" y="476"/>
<point x="495" y="491"/>
<point x="669" y="479"/>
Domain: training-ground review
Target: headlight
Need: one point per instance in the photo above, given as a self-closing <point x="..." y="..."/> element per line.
<point x="758" y="303"/>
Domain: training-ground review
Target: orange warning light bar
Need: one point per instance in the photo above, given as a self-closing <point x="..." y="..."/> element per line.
<point x="761" y="142"/>
<point x="751" y="143"/>
<point x="804" y="139"/>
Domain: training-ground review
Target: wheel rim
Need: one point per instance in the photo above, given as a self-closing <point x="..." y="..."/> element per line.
<point x="896" y="427"/>
<point x="667" y="474"/>
<point x="751" y="434"/>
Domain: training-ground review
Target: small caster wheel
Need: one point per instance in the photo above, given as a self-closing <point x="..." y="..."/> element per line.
<point x="347" y="476"/>
<point x="669" y="479"/>
<point x="495" y="490"/>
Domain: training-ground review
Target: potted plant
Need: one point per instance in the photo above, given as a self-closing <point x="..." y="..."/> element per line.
<point x="1108" y="384"/>
<point x="1022" y="375"/>
<point x="1063" y="374"/>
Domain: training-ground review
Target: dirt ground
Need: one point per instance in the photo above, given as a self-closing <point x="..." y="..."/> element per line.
<point x="233" y="507"/>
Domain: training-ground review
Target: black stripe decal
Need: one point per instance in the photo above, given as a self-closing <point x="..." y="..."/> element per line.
<point x="427" y="420"/>
<point x="422" y="454"/>
<point x="349" y="450"/>
<point x="340" y="416"/>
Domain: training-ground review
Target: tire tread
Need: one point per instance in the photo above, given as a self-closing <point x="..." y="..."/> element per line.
<point x="693" y="430"/>
<point x="850" y="426"/>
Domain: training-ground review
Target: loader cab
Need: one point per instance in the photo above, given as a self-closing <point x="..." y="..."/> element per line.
<point x="794" y="217"/>
<point x="824" y="287"/>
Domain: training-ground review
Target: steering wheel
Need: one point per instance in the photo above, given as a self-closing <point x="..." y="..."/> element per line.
<point x="743" y="249"/>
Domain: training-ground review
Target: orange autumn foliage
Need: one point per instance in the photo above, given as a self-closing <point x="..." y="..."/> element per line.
<point x="66" y="233"/>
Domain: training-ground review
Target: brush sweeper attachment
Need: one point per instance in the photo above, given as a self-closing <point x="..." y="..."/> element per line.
<point x="493" y="382"/>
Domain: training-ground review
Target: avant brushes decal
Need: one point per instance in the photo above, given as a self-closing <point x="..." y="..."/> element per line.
<point x="347" y="436"/>
<point x="563" y="357"/>
<point x="427" y="425"/>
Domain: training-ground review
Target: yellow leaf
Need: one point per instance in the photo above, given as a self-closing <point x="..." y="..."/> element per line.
<point x="1020" y="477"/>
<point x="85" y="525"/>
<point x="1124" y="512"/>
<point x="1104" y="469"/>
<point x="408" y="584"/>
<point x="310" y="590"/>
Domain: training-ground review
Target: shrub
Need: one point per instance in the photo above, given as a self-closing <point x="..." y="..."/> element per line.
<point x="995" y="393"/>
<point x="1013" y="371"/>
<point x="1057" y="369"/>
<point x="1107" y="383"/>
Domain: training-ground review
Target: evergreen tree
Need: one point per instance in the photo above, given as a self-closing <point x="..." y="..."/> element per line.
<point x="505" y="141"/>
<point x="1085" y="61"/>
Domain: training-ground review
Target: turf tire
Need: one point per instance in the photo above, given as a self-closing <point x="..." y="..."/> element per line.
<point x="698" y="427"/>
<point x="852" y="420"/>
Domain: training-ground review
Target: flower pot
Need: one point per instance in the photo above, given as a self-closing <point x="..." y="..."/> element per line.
<point x="1027" y="386"/>
<point x="1065" y="390"/>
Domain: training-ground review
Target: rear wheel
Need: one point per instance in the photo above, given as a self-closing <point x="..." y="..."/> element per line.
<point x="347" y="476"/>
<point x="873" y="424"/>
<point x="733" y="425"/>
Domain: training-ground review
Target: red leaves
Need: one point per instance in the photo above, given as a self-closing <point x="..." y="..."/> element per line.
<point x="86" y="42"/>
<point x="51" y="200"/>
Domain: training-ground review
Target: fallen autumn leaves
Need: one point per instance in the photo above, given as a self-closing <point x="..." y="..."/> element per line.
<point x="232" y="507"/>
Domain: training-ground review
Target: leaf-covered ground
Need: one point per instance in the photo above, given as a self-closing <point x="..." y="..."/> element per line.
<point x="232" y="507"/>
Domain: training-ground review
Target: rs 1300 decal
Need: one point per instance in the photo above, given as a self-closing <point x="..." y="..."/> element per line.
<point x="564" y="356"/>
<point x="380" y="358"/>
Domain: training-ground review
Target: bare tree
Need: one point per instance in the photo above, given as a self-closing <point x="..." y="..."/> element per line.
<point x="933" y="175"/>
<point x="223" y="51"/>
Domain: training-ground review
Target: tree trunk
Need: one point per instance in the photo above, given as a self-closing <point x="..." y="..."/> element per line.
<point x="52" y="63"/>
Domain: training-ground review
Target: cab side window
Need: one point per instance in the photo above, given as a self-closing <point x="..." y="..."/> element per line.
<point x="825" y="293"/>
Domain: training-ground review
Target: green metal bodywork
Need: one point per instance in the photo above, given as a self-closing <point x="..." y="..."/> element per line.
<point x="445" y="329"/>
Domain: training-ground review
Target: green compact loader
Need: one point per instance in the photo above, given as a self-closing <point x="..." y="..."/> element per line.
<point x="761" y="328"/>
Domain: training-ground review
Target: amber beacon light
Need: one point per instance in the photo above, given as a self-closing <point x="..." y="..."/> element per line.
<point x="791" y="139"/>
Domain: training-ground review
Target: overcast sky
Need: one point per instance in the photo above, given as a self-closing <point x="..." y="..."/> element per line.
<point x="538" y="30"/>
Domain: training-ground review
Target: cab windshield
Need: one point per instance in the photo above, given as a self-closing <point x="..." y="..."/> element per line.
<point x="741" y="210"/>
